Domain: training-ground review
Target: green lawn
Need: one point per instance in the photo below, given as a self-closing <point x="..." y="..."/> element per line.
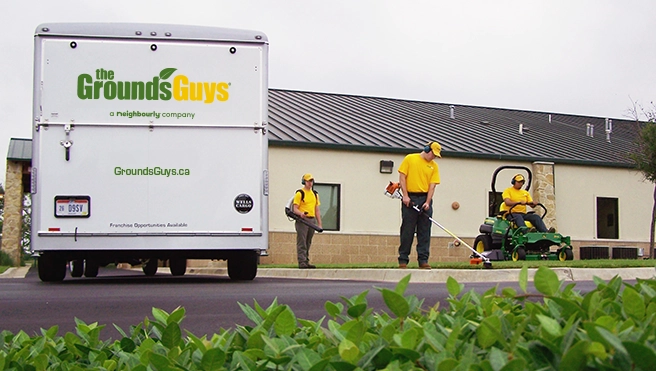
<point x="602" y="263"/>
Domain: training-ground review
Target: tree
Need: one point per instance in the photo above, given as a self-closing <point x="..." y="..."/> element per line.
<point x="644" y="155"/>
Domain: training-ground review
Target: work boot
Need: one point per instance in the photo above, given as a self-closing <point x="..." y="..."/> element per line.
<point x="552" y="230"/>
<point x="306" y="266"/>
<point x="424" y="266"/>
<point x="403" y="266"/>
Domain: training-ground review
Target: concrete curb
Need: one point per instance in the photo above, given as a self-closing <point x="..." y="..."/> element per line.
<point x="418" y="275"/>
<point x="15" y="272"/>
<point x="437" y="275"/>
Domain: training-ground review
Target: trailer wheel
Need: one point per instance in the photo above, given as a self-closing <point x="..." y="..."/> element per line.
<point x="150" y="268"/>
<point x="519" y="254"/>
<point x="51" y="268"/>
<point x="178" y="266"/>
<point x="565" y="254"/>
<point x="91" y="268"/>
<point x="483" y="243"/>
<point x="243" y="266"/>
<point x="77" y="268"/>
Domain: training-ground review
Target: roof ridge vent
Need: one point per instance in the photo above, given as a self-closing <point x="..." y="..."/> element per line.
<point x="521" y="128"/>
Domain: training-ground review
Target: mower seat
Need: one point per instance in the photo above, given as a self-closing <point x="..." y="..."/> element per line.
<point x="513" y="225"/>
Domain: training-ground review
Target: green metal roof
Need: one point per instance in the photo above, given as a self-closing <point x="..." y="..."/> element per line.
<point x="20" y="150"/>
<point x="359" y="123"/>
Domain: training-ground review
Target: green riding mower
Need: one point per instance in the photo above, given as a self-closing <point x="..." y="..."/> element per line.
<point x="501" y="239"/>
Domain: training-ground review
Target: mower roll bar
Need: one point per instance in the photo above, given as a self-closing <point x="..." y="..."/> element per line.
<point x="494" y="181"/>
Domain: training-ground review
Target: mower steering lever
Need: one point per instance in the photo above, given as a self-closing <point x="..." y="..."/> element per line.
<point x="530" y="212"/>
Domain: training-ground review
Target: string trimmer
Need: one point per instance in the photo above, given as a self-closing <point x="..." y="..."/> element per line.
<point x="393" y="190"/>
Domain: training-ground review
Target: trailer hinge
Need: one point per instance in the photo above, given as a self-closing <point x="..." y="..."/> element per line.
<point x="37" y="125"/>
<point x="257" y="127"/>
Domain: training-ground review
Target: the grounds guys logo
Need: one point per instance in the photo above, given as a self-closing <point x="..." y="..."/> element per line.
<point x="104" y="86"/>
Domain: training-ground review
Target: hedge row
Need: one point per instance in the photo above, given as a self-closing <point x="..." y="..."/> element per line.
<point x="612" y="327"/>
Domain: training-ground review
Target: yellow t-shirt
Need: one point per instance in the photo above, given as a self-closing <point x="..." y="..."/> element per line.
<point x="309" y="202"/>
<point x="419" y="173"/>
<point x="516" y="195"/>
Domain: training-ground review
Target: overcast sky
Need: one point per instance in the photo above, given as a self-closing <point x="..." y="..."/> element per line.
<point x="587" y="57"/>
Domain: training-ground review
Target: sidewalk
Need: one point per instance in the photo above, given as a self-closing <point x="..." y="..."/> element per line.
<point x="435" y="275"/>
<point x="15" y="272"/>
<point x="418" y="275"/>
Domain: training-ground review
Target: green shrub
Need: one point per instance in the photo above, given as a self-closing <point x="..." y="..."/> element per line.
<point x="5" y="259"/>
<point x="611" y="327"/>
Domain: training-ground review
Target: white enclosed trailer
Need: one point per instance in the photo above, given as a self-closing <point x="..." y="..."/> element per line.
<point x="149" y="143"/>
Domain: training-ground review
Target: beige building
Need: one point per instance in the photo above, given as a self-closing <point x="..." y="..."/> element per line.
<point x="580" y="168"/>
<point x="370" y="221"/>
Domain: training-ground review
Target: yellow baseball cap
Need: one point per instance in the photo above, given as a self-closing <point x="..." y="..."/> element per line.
<point x="436" y="148"/>
<point x="307" y="177"/>
<point x="519" y="178"/>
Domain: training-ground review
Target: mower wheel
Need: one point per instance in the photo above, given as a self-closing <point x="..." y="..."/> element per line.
<point x="483" y="243"/>
<point x="565" y="254"/>
<point x="519" y="254"/>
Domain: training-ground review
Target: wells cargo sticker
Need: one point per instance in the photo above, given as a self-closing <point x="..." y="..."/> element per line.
<point x="105" y="84"/>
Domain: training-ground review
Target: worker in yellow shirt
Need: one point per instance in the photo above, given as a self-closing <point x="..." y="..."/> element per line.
<point x="306" y="206"/>
<point x="418" y="176"/>
<point x="516" y="198"/>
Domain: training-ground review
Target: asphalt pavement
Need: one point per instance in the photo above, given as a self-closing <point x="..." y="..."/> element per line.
<point x="418" y="275"/>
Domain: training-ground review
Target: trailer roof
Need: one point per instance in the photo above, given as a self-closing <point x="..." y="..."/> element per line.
<point x="150" y="31"/>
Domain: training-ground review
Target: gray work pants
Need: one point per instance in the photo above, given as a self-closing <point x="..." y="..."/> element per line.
<point x="304" y="236"/>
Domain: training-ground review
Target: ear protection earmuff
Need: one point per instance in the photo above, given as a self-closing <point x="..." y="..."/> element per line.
<point x="303" y="180"/>
<point x="427" y="148"/>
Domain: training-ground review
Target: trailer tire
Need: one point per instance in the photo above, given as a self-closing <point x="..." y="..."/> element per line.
<point x="178" y="266"/>
<point x="51" y="268"/>
<point x="91" y="268"/>
<point x="77" y="268"/>
<point x="150" y="268"/>
<point x="243" y="266"/>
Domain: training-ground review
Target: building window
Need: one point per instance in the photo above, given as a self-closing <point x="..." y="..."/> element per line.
<point x="329" y="195"/>
<point x="494" y="205"/>
<point x="607" y="218"/>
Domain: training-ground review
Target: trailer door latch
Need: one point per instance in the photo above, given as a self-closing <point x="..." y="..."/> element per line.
<point x="68" y="142"/>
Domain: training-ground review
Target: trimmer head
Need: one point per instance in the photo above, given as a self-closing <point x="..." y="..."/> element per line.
<point x="477" y="260"/>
